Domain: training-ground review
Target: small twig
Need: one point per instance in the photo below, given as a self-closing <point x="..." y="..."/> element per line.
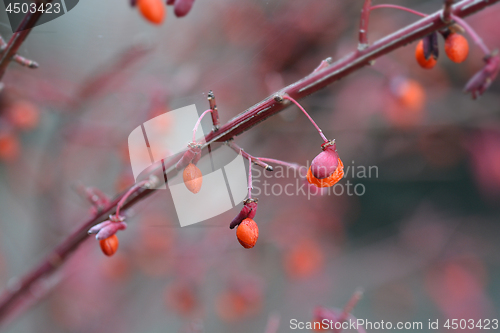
<point x="17" y="58"/>
<point x="255" y="160"/>
<point x="363" y="25"/>
<point x="215" y="112"/>
<point x="448" y="4"/>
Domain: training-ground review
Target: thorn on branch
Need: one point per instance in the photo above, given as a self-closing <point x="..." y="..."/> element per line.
<point x="324" y="63"/>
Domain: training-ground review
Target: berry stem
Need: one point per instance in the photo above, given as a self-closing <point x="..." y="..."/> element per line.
<point x="279" y="162"/>
<point x="255" y="160"/>
<point x="349" y="307"/>
<point x="198" y="123"/>
<point x="307" y="115"/>
<point x="250" y="187"/>
<point x="400" y="8"/>
<point x="130" y="191"/>
<point x="473" y="34"/>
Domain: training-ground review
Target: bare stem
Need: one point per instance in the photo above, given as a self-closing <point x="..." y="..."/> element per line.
<point x="198" y="123"/>
<point x="473" y="34"/>
<point x="363" y="25"/>
<point x="308" y="116"/>
<point x="400" y="8"/>
<point x="238" y="125"/>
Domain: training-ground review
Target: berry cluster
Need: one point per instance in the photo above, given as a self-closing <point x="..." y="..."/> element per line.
<point x="456" y="48"/>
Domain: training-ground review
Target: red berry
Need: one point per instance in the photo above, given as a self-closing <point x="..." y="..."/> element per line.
<point x="152" y="10"/>
<point x="456" y="47"/>
<point x="328" y="181"/>
<point x="420" y="56"/>
<point x="109" y="245"/>
<point x="247" y="233"/>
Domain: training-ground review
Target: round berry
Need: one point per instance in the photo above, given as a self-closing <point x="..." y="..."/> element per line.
<point x="152" y="10"/>
<point x="456" y="47"/>
<point x="328" y="181"/>
<point x="192" y="178"/>
<point x="109" y="245"/>
<point x="420" y="56"/>
<point x="247" y="233"/>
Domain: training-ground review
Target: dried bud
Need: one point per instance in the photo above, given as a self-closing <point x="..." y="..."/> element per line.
<point x="109" y="246"/>
<point x="248" y="211"/>
<point x="182" y="7"/>
<point x="326" y="162"/>
<point x="482" y="80"/>
<point x="107" y="229"/>
<point x="427" y="51"/>
<point x="247" y="233"/>
<point x="192" y="155"/>
<point x="192" y="178"/>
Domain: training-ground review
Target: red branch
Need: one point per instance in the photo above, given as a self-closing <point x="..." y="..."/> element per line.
<point x="241" y="123"/>
<point x="18" y="37"/>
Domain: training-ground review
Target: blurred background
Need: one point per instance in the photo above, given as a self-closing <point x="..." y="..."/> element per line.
<point x="422" y="240"/>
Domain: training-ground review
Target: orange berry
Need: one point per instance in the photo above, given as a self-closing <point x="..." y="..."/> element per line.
<point x="152" y="10"/>
<point x="411" y="95"/>
<point x="328" y="181"/>
<point x="420" y="56"/>
<point x="192" y="178"/>
<point x="109" y="245"/>
<point x="247" y="233"/>
<point x="24" y="115"/>
<point x="9" y="147"/>
<point x="456" y="48"/>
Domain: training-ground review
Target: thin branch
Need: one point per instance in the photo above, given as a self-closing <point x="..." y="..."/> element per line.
<point x="18" y="38"/>
<point x="279" y="162"/>
<point x="241" y="123"/>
